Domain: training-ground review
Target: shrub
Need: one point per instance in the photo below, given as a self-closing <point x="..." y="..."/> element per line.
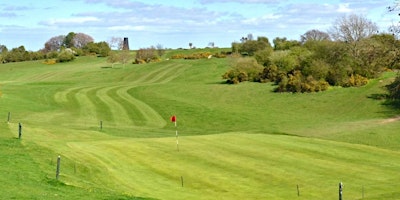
<point x="52" y="54"/>
<point x="65" y="56"/>
<point x="295" y="82"/>
<point x="356" y="81"/>
<point x="50" y="61"/>
<point x="394" y="89"/>
<point x="243" y="69"/>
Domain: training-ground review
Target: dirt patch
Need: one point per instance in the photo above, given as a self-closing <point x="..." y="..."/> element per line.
<point x="390" y="120"/>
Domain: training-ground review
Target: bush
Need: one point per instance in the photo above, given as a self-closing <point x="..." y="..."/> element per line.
<point x="394" y="89"/>
<point x="243" y="69"/>
<point x="52" y="55"/>
<point x="356" y="81"/>
<point x="295" y="82"/>
<point x="65" y="56"/>
<point x="50" y="61"/>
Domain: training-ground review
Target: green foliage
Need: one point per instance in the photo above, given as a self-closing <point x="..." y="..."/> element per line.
<point x="52" y="55"/>
<point x="17" y="55"/>
<point x="284" y="60"/>
<point x="243" y="69"/>
<point x="318" y="69"/>
<point x="250" y="47"/>
<point x="263" y="56"/>
<point x="394" y="89"/>
<point x="68" y="40"/>
<point x="65" y="56"/>
<point x="284" y="44"/>
<point x="102" y="49"/>
<point x="296" y="82"/>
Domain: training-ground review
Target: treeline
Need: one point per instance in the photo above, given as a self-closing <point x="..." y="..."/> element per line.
<point x="314" y="65"/>
<point x="61" y="48"/>
<point x="316" y="62"/>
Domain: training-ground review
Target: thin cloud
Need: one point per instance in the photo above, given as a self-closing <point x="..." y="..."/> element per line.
<point x="69" y="21"/>
<point x="8" y="15"/>
<point x="239" y="1"/>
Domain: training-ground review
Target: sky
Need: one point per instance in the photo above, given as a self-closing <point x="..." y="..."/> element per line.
<point x="176" y="23"/>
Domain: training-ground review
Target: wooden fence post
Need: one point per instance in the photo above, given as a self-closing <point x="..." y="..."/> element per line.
<point x="340" y="191"/>
<point x="58" y="167"/>
<point x="19" y="130"/>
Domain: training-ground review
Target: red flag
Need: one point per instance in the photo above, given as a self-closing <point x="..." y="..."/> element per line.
<point x="173" y="118"/>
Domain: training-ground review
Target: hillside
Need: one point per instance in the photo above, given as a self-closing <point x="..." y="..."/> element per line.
<point x="235" y="141"/>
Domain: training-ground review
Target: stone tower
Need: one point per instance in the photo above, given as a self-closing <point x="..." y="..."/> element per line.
<point x="126" y="44"/>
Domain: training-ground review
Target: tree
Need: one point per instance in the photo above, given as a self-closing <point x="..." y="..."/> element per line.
<point x="243" y="69"/>
<point x="54" y="44"/>
<point x="352" y="28"/>
<point x="17" y="55"/>
<point x="100" y="48"/>
<point x="160" y="50"/>
<point x="250" y="47"/>
<point x="3" y="52"/>
<point x="66" y="56"/>
<point x="112" y="58"/>
<point x="315" y="35"/>
<point x="124" y="57"/>
<point x="68" y="40"/>
<point x="80" y="40"/>
<point x="190" y="45"/>
<point x="395" y="28"/>
<point x="394" y="89"/>
<point x="146" y="55"/>
<point x="284" y="44"/>
<point x="3" y="49"/>
<point x="116" y="43"/>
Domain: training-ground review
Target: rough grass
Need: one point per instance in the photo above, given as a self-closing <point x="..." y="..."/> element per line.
<point x="235" y="141"/>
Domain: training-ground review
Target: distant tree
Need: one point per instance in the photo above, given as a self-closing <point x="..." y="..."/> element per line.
<point x="66" y="55"/>
<point x="352" y="28"/>
<point x="112" y="58"/>
<point x="116" y="43"/>
<point x="3" y="52"/>
<point x="80" y="40"/>
<point x="124" y="57"/>
<point x="3" y="49"/>
<point x="314" y="35"/>
<point x="100" y="48"/>
<point x="91" y="48"/>
<point x="68" y="40"/>
<point x="104" y="49"/>
<point x="160" y="50"/>
<point x="284" y="43"/>
<point x="146" y="55"/>
<point x="211" y="44"/>
<point x="54" y="44"/>
<point x="395" y="8"/>
<point x="190" y="45"/>
<point x="17" y="55"/>
<point x="250" y="47"/>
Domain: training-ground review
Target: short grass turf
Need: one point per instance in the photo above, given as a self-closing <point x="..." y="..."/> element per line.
<point x="235" y="141"/>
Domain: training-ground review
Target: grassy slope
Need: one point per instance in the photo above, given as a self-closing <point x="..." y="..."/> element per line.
<point x="346" y="134"/>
